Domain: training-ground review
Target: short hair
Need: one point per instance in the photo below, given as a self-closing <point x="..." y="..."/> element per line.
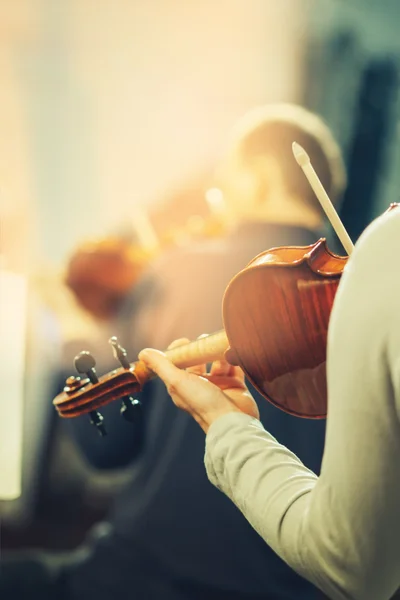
<point x="270" y="130"/>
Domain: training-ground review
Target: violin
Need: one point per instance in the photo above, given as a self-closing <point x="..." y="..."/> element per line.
<point x="101" y="272"/>
<point x="276" y="314"/>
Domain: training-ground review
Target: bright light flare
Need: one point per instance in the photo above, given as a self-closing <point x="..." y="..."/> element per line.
<point x="215" y="200"/>
<point x="13" y="309"/>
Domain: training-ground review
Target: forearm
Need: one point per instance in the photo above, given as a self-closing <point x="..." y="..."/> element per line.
<point x="287" y="505"/>
<point x="341" y="530"/>
<point x="268" y="484"/>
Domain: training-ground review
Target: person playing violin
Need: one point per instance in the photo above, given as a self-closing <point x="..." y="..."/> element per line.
<point x="340" y="530"/>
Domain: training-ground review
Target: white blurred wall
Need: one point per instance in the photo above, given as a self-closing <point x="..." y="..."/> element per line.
<point x="106" y="103"/>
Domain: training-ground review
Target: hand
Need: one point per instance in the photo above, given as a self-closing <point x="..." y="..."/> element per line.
<point x="206" y="396"/>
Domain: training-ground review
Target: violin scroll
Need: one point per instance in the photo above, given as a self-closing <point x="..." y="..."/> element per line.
<point x="84" y="395"/>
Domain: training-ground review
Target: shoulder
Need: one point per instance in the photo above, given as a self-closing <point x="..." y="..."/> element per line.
<point x="369" y="292"/>
<point x="374" y="261"/>
<point x="379" y="245"/>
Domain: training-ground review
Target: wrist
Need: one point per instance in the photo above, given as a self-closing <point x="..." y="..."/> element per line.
<point x="206" y="419"/>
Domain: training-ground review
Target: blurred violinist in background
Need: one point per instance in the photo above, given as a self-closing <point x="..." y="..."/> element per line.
<point x="102" y="274"/>
<point x="170" y="534"/>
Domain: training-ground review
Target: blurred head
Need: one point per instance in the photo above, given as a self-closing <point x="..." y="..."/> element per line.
<point x="101" y="273"/>
<point x="260" y="178"/>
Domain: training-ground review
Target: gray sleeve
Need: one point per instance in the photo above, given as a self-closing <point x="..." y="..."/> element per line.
<point x="341" y="531"/>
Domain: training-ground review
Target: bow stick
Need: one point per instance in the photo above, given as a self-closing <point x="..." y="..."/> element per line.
<point x="304" y="162"/>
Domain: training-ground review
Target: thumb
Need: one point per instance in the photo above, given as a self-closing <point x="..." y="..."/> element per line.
<point x="161" y="365"/>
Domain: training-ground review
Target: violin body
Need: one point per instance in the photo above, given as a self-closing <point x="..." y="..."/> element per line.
<point x="284" y="298"/>
<point x="276" y="316"/>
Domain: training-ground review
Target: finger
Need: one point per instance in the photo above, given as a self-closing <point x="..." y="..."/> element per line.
<point x="226" y="382"/>
<point x="199" y="369"/>
<point x="178" y="342"/>
<point x="222" y="368"/>
<point x="162" y="366"/>
<point x="239" y="374"/>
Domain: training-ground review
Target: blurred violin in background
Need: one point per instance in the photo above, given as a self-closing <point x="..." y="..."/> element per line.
<point x="101" y="272"/>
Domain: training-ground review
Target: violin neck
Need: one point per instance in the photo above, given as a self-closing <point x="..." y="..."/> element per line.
<point x="203" y="350"/>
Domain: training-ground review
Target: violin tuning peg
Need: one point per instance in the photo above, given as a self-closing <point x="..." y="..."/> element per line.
<point x="73" y="384"/>
<point x="119" y="352"/>
<point x="131" y="409"/>
<point x="97" y="420"/>
<point x="85" y="363"/>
